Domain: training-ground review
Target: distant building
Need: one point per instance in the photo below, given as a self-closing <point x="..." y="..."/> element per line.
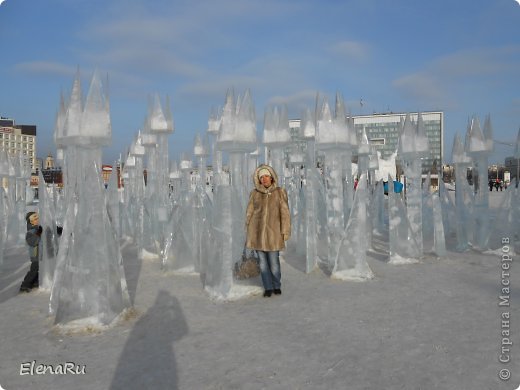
<point x="383" y="133"/>
<point x="106" y="171"/>
<point x="18" y="139"/>
<point x="496" y="171"/>
<point x="51" y="173"/>
<point x="49" y="162"/>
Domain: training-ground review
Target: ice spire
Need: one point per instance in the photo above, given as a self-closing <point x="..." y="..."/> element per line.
<point x="421" y="140"/>
<point x="276" y="137"/>
<point x="160" y="121"/>
<point x="307" y="124"/>
<point x="95" y="122"/>
<point x="340" y="114"/>
<point x="324" y="130"/>
<point x="408" y="136"/>
<point x="60" y="122"/>
<point x="237" y="130"/>
<point x="246" y="122"/>
<point x="72" y="123"/>
<point x="488" y="133"/>
<point x="276" y="126"/>
<point x="214" y="120"/>
<point x="200" y="149"/>
<point x="477" y="142"/>
<point x="458" y="154"/>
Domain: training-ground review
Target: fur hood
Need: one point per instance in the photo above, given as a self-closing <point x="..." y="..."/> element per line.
<point x="256" y="180"/>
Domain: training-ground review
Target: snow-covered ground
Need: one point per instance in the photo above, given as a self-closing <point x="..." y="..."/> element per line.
<point x="432" y="325"/>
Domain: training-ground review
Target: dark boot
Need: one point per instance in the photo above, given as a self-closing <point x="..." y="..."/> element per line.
<point x="267" y="293"/>
<point x="31" y="277"/>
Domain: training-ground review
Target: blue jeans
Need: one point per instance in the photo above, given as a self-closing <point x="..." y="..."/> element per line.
<point x="270" y="269"/>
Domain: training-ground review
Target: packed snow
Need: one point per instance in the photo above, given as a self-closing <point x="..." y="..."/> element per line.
<point x="432" y="325"/>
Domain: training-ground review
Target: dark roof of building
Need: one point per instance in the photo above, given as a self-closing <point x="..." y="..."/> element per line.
<point x="4" y="122"/>
<point x="27" y="129"/>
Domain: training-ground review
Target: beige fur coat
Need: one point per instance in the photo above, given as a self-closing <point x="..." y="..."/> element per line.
<point x="268" y="220"/>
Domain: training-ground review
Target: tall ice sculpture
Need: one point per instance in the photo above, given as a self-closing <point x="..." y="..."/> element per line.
<point x="89" y="285"/>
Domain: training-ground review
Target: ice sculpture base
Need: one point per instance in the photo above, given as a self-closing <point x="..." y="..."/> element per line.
<point x="397" y="260"/>
<point x="235" y="293"/>
<point x="353" y="275"/>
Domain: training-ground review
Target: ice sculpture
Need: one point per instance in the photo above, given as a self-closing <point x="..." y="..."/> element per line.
<point x="413" y="145"/>
<point x="427" y="215"/>
<point x="463" y="195"/>
<point x="276" y="138"/>
<point x="157" y="202"/>
<point x="507" y="222"/>
<point x="364" y="150"/>
<point x="403" y="245"/>
<point x="439" y="240"/>
<point x="219" y="283"/>
<point x="237" y="136"/>
<point x="309" y="204"/>
<point x="202" y="209"/>
<point x="479" y="150"/>
<point x="49" y="236"/>
<point x="506" y="225"/>
<point x="8" y="180"/>
<point x="517" y="158"/>
<point x="213" y="128"/>
<point x="89" y="284"/>
<point x="378" y="208"/>
<point x="113" y="201"/>
<point x="447" y="207"/>
<point x="296" y="161"/>
<point x="181" y="255"/>
<point x="351" y="260"/>
<point x="4" y="219"/>
<point x="333" y="138"/>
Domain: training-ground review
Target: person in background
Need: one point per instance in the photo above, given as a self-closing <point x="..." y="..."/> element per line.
<point x="268" y="225"/>
<point x="32" y="238"/>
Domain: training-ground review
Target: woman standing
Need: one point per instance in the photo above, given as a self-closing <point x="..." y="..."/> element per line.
<point x="268" y="225"/>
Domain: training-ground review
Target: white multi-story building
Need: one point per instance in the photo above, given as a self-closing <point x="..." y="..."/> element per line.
<point x="18" y="139"/>
<point x="383" y="132"/>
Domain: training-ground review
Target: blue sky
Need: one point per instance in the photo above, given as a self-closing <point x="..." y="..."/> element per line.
<point x="461" y="57"/>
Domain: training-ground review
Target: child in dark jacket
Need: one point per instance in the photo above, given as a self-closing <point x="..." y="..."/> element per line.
<point x="32" y="237"/>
